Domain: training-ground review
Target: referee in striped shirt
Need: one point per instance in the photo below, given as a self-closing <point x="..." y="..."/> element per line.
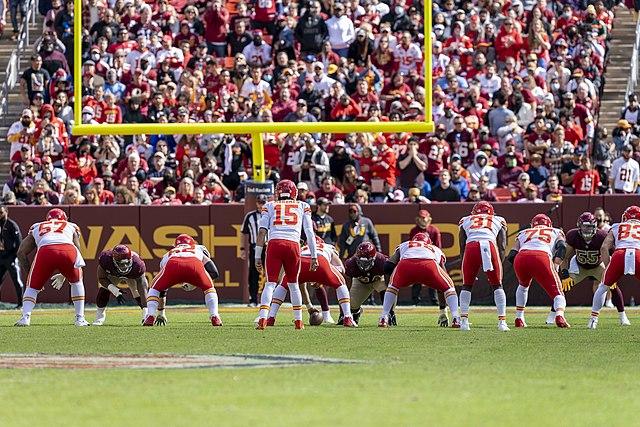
<point x="250" y="232"/>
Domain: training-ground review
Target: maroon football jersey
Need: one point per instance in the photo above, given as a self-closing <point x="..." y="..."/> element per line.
<point x="587" y="254"/>
<point x="351" y="269"/>
<point x="137" y="269"/>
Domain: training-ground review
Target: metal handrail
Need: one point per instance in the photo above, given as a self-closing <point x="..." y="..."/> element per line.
<point x="632" y="81"/>
<point x="15" y="60"/>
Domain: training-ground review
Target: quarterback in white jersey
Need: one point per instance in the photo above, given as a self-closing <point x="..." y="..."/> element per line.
<point x="418" y="261"/>
<point x="57" y="245"/>
<point x="284" y="219"/>
<point x="188" y="263"/>
<point x="624" y="239"/>
<point x="329" y="273"/>
<point x="537" y="253"/>
<point x="483" y="237"/>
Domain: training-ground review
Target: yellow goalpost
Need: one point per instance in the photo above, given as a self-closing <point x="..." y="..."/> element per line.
<point x="256" y="129"/>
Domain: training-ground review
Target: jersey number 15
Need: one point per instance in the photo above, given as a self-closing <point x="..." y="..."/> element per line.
<point x="285" y="214"/>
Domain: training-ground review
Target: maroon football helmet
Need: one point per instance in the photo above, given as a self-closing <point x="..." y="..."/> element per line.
<point x="422" y="237"/>
<point x="482" y="208"/>
<point x="632" y="212"/>
<point x="122" y="258"/>
<point x="541" y="220"/>
<point x="366" y="255"/>
<point x="587" y="225"/>
<point x="56" y="213"/>
<point x="286" y="189"/>
<point x="184" y="239"/>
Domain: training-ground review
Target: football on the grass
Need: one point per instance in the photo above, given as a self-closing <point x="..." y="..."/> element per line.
<point x="315" y="318"/>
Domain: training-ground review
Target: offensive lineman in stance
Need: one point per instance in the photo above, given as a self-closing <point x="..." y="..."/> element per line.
<point x="537" y="252"/>
<point x="364" y="272"/>
<point x="328" y="273"/>
<point x="418" y="261"/>
<point x="188" y="263"/>
<point x="583" y="261"/>
<point x="483" y="238"/>
<point x="121" y="266"/>
<point x="57" y="244"/>
<point x="624" y="238"/>
<point x="284" y="219"/>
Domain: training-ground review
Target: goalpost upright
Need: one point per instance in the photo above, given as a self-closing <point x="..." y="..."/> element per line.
<point x="255" y="129"/>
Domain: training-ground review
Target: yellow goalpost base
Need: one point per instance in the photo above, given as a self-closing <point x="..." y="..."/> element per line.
<point x="255" y="129"/>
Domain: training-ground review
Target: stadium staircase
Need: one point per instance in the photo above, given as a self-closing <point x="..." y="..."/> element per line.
<point x="14" y="104"/>
<point x="617" y="73"/>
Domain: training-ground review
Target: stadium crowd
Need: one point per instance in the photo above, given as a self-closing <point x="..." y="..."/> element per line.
<point x="517" y="87"/>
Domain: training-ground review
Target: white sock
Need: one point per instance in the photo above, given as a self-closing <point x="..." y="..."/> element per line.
<point x="100" y="311"/>
<point x="465" y="302"/>
<point x="522" y="294"/>
<point x="153" y="299"/>
<point x="500" y="299"/>
<point x="559" y="304"/>
<point x="28" y="301"/>
<point x="344" y="300"/>
<point x="622" y="315"/>
<point x="211" y="300"/>
<point x="279" y="294"/>
<point x="77" y="296"/>
<point x="390" y="299"/>
<point x="144" y="312"/>
<point x="452" y="301"/>
<point x="265" y="299"/>
<point x="598" y="299"/>
<point x="296" y="300"/>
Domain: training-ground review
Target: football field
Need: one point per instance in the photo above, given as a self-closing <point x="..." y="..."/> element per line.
<point x="413" y="374"/>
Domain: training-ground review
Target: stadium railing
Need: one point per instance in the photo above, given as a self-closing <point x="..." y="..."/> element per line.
<point x="632" y="81"/>
<point x="14" y="65"/>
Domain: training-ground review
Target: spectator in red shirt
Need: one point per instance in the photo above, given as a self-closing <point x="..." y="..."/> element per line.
<point x="328" y="189"/>
<point x="81" y="165"/>
<point x="508" y="41"/>
<point x="216" y="20"/>
<point x="346" y="110"/>
<point x="586" y="180"/>
<point x="385" y="168"/>
<point x="105" y="196"/>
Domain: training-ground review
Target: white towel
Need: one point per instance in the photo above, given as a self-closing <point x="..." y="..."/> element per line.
<point x="573" y="266"/>
<point x="630" y="262"/>
<point x="79" y="260"/>
<point x="485" y="253"/>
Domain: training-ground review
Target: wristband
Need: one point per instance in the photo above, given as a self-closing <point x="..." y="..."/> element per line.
<point x="258" y="252"/>
<point x="113" y="289"/>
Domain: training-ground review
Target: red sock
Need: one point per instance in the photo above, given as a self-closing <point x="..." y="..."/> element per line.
<point x="321" y="295"/>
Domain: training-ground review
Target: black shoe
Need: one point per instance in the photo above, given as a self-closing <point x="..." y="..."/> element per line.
<point x="356" y="315"/>
<point x="392" y="319"/>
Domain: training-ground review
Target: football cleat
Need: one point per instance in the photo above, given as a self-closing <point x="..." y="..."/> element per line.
<point x="393" y="321"/>
<point x="349" y="323"/>
<point x="24" y="321"/>
<point x="520" y="323"/>
<point x="356" y="315"/>
<point x="502" y="326"/>
<point x="551" y="318"/>
<point x="464" y="324"/>
<point x="383" y="322"/>
<point x="149" y="321"/>
<point x="326" y="318"/>
<point x="98" y="322"/>
<point x="161" y="320"/>
<point x="624" y="320"/>
<point x="271" y="321"/>
<point x="456" y="323"/>
<point x="298" y="324"/>
<point x="592" y="323"/>
<point x="80" y="321"/>
<point x="216" y="321"/>
<point x="261" y="324"/>
<point x="561" y="322"/>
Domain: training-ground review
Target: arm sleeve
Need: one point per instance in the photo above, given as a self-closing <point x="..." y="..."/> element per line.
<point x="307" y="225"/>
<point x="212" y="270"/>
<point x="265" y="218"/>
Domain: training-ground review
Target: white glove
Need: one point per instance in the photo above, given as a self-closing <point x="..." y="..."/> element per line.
<point x="58" y="281"/>
<point x="187" y="287"/>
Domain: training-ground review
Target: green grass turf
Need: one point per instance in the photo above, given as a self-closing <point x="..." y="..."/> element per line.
<point x="415" y="374"/>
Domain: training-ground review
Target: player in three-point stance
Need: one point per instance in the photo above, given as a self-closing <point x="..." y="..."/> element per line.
<point x="57" y="245"/>
<point x="328" y="273"/>
<point x="483" y="238"/>
<point x="284" y="220"/>
<point x="121" y="266"/>
<point x="418" y="261"/>
<point x="537" y="253"/>
<point x="624" y="238"/>
<point x="188" y="263"/>
<point x="584" y="263"/>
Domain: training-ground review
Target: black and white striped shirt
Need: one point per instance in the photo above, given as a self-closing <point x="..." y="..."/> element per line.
<point x="250" y="226"/>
